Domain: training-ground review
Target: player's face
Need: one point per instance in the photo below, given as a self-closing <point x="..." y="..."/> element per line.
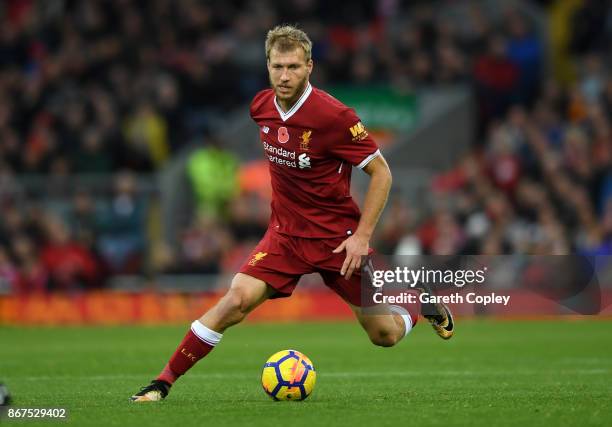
<point x="289" y="72"/>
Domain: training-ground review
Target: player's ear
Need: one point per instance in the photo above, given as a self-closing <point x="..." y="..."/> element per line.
<point x="309" y="65"/>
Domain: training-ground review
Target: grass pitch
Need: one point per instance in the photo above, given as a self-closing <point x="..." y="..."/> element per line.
<point x="490" y="373"/>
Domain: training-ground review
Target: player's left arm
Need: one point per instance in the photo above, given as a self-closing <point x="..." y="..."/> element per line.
<point x="358" y="244"/>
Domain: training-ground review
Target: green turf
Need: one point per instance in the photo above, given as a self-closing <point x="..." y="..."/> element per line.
<point x="491" y="373"/>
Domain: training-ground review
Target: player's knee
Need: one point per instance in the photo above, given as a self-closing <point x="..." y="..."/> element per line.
<point x="236" y="301"/>
<point x="384" y="338"/>
<point x="234" y="305"/>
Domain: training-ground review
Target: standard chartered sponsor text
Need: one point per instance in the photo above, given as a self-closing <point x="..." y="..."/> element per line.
<point x="280" y="156"/>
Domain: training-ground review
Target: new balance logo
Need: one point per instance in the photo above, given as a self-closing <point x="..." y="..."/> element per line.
<point x="304" y="161"/>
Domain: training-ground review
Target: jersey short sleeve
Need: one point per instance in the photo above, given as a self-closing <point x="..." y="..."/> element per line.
<point x="353" y="143"/>
<point x="258" y="102"/>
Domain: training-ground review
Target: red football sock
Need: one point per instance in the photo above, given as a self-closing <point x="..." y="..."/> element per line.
<point x="198" y="342"/>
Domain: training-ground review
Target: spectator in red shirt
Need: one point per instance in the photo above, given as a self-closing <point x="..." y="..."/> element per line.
<point x="70" y="266"/>
<point x="496" y="78"/>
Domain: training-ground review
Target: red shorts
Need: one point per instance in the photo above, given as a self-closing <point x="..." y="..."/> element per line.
<point x="280" y="260"/>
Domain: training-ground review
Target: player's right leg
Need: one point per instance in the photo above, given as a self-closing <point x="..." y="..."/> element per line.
<point x="437" y="314"/>
<point x="244" y="295"/>
<point x="388" y="325"/>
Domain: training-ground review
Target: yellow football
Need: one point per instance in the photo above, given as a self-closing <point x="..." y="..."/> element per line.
<point x="288" y="375"/>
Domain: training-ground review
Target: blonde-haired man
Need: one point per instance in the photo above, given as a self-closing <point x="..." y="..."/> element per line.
<point x="312" y="141"/>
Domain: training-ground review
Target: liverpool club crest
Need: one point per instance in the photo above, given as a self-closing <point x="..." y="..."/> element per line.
<point x="305" y="144"/>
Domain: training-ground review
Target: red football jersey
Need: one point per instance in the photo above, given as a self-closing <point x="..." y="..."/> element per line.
<point x="311" y="150"/>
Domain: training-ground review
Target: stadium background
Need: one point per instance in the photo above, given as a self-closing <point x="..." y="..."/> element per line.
<point x="131" y="179"/>
<point x="132" y="185"/>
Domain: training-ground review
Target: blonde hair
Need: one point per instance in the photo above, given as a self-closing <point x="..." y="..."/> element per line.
<point x="287" y="38"/>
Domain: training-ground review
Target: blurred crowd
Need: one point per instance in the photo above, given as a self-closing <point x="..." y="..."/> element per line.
<point x="76" y="244"/>
<point x="94" y="86"/>
<point x="541" y="185"/>
<point x="540" y="179"/>
<point x="118" y="87"/>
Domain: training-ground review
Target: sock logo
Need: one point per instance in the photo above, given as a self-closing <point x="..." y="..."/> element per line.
<point x="188" y="354"/>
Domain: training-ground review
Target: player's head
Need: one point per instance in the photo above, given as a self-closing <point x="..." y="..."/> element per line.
<point x="288" y="51"/>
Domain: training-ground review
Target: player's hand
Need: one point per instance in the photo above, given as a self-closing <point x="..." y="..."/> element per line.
<point x="355" y="246"/>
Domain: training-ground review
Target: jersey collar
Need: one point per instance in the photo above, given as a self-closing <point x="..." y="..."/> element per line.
<point x="285" y="115"/>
